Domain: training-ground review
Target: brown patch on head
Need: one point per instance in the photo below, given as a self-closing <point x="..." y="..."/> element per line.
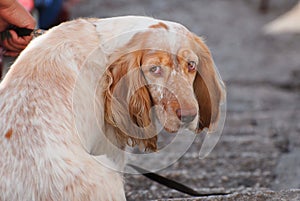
<point x="159" y="25"/>
<point x="8" y="134"/>
<point x="157" y="57"/>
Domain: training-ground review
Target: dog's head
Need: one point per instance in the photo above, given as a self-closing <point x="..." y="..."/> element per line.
<point x="164" y="72"/>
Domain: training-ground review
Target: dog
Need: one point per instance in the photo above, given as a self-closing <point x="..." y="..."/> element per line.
<point x="93" y="87"/>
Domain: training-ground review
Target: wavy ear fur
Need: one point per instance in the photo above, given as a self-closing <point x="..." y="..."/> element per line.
<point x="208" y="87"/>
<point x="128" y="103"/>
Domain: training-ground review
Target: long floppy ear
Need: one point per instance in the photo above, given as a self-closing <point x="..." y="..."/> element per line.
<point x="128" y="103"/>
<point x="208" y="87"/>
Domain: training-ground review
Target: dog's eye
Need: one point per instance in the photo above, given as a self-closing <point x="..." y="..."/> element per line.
<point x="155" y="70"/>
<point x="191" y="66"/>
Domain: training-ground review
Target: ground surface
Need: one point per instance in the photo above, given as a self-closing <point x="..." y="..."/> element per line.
<point x="258" y="156"/>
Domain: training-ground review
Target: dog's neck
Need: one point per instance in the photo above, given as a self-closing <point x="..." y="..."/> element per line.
<point x="88" y="107"/>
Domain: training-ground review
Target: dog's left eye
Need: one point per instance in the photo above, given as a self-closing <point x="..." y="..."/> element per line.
<point x="155" y="70"/>
<point x="191" y="65"/>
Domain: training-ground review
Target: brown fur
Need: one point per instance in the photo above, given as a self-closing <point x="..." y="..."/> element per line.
<point x="208" y="91"/>
<point x="160" y="25"/>
<point x="9" y="134"/>
<point x="139" y="103"/>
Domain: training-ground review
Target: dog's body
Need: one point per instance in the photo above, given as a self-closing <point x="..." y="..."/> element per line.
<point x="51" y="124"/>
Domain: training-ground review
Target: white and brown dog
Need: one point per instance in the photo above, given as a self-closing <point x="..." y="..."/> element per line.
<point x="86" y="87"/>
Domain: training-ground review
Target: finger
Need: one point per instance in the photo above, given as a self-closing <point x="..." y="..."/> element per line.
<point x="11" y="54"/>
<point x="19" y="41"/>
<point x="14" y="43"/>
<point x="9" y="46"/>
<point x="3" y="24"/>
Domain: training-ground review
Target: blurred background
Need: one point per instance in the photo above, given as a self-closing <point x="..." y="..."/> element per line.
<point x="256" y="47"/>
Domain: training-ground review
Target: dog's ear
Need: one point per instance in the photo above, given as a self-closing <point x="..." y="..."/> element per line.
<point x="128" y="102"/>
<point x="208" y="87"/>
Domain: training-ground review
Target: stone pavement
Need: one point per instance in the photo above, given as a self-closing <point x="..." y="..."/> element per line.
<point x="258" y="156"/>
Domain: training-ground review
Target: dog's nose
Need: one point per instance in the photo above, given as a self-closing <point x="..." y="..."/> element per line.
<point x="186" y="115"/>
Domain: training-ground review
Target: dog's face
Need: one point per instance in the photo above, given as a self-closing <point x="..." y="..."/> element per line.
<point x="170" y="81"/>
<point x="173" y="72"/>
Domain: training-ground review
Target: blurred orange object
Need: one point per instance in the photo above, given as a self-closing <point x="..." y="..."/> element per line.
<point x="28" y="4"/>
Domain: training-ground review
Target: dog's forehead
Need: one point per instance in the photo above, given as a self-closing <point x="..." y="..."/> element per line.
<point x="165" y="40"/>
<point x="119" y="31"/>
<point x="125" y="24"/>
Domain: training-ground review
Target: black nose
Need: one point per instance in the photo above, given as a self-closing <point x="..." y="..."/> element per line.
<point x="186" y="116"/>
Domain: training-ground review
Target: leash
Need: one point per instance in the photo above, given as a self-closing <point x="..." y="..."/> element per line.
<point x="20" y="32"/>
<point x="173" y="184"/>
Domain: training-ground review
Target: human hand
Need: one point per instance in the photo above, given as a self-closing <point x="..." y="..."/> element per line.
<point x="13" y="13"/>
